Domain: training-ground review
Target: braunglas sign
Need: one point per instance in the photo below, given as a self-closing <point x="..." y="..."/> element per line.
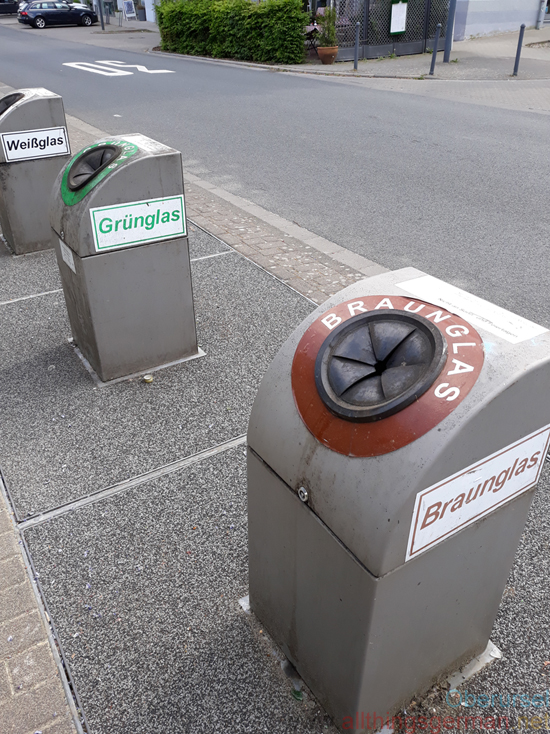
<point x="138" y="222"/>
<point x="458" y="501"/>
<point x="32" y="144"/>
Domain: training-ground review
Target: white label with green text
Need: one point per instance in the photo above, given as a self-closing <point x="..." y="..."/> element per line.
<point x="138" y="222"/>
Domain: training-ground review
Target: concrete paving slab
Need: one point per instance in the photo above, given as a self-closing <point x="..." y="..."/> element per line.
<point x="144" y="591"/>
<point x="202" y="244"/>
<point x="80" y="438"/>
<point x="26" y="275"/>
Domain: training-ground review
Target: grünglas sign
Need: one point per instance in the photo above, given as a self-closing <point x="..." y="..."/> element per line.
<point x="138" y="222"/>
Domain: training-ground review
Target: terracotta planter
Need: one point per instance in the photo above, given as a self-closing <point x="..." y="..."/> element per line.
<point x="327" y="54"/>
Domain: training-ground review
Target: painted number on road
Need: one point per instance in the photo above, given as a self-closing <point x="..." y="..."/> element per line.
<point x="113" y="68"/>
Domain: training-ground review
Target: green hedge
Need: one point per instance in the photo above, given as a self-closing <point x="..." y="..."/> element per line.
<point x="270" y="31"/>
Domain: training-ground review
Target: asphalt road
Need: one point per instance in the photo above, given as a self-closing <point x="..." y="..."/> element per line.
<point x="458" y="190"/>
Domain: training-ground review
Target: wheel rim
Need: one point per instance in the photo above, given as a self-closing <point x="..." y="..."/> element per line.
<point x="87" y="20"/>
<point x="40" y="22"/>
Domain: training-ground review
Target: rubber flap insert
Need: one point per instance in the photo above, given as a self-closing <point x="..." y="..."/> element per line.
<point x="90" y="163"/>
<point x="9" y="100"/>
<point x="378" y="363"/>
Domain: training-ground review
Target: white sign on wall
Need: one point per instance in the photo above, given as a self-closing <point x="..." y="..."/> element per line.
<point x="398" y="18"/>
<point x="458" y="501"/>
<point x="31" y="144"/>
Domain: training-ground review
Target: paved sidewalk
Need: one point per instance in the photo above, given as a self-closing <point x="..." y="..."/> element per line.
<point x="489" y="58"/>
<point x="32" y="697"/>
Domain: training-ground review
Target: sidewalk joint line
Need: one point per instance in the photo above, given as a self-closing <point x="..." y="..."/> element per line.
<point x="131" y="483"/>
<point x="34" y="295"/>
<point x="216" y="254"/>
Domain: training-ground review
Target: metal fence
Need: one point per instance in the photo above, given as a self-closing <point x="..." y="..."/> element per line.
<point x="374" y="17"/>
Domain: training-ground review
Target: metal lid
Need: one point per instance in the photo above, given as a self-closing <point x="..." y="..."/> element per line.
<point x="377" y="363"/>
<point x="90" y="164"/>
<point x="9" y="100"/>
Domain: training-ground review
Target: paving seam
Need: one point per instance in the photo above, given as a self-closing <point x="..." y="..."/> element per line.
<point x="63" y="670"/>
<point x="26" y="298"/>
<point x="208" y="257"/>
<point x="136" y="481"/>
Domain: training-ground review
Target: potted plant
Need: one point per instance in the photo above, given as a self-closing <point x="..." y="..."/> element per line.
<point x="327" y="44"/>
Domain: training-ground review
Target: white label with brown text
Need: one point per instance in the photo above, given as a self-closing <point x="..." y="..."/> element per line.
<point x="458" y="501"/>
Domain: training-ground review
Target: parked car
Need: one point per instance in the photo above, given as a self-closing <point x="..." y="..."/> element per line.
<point x="7" y="7"/>
<point x="41" y="14"/>
<point x="23" y="4"/>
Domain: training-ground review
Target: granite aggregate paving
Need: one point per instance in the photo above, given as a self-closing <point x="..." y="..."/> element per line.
<point x="144" y="588"/>
<point x="80" y="439"/>
<point x="27" y="275"/>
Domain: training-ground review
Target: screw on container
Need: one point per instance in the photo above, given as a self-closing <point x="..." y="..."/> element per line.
<point x="302" y="494"/>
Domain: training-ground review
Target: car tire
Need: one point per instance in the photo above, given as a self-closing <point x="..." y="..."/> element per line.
<point x="39" y="22"/>
<point x="86" y="20"/>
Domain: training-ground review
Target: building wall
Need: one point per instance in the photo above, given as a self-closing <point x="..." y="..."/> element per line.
<point x="482" y="17"/>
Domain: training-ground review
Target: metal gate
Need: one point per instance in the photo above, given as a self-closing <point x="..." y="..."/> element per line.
<point x="375" y="15"/>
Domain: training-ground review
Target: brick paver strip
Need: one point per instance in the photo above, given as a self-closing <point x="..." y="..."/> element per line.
<point x="32" y="697"/>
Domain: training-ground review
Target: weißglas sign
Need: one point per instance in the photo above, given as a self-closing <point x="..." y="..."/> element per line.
<point x="32" y="144"/>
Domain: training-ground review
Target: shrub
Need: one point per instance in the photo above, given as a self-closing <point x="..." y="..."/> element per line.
<point x="271" y="31"/>
<point x="327" y="22"/>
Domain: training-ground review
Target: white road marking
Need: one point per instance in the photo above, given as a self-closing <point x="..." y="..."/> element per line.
<point x="139" y="67"/>
<point x="95" y="69"/>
